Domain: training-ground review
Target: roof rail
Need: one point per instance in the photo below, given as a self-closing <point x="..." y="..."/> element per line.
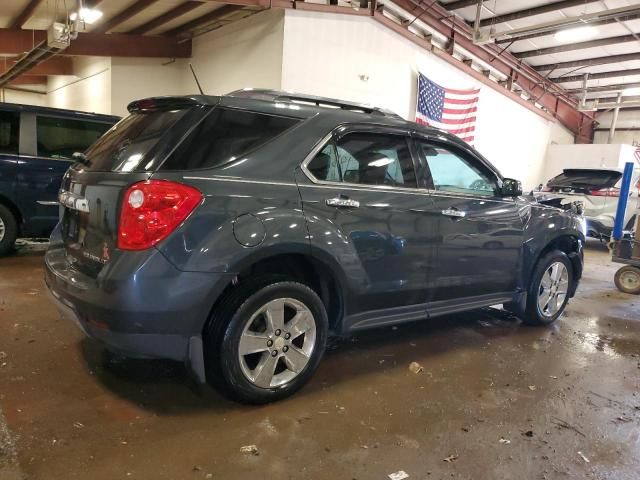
<point x="281" y="96"/>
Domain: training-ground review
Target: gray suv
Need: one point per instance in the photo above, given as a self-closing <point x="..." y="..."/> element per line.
<point x="235" y="233"/>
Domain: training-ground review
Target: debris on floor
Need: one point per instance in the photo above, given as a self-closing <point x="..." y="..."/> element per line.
<point x="504" y="441"/>
<point x="250" y="449"/>
<point x="399" y="475"/>
<point x="586" y="460"/>
<point x="450" y="458"/>
<point x="532" y="388"/>
<point x="415" y="367"/>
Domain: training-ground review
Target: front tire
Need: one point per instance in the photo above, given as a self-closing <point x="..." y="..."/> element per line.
<point x="265" y="340"/>
<point x="548" y="293"/>
<point x="8" y="230"/>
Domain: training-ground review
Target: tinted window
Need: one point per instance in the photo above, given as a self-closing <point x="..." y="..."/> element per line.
<point x="324" y="165"/>
<point x="368" y="158"/>
<point x="452" y="173"/>
<point x="9" y="132"/>
<point x="61" y="137"/>
<point x="225" y="135"/>
<point x="127" y="145"/>
<point x="586" y="178"/>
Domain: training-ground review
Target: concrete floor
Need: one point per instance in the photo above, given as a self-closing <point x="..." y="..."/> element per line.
<point x="495" y="400"/>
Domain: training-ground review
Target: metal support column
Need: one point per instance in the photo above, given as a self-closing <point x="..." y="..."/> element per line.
<point x="614" y="119"/>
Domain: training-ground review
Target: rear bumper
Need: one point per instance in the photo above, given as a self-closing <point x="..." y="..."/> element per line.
<point x="139" y="307"/>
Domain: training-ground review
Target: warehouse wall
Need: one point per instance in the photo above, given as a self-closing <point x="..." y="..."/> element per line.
<point x="28" y="98"/>
<point x="330" y="58"/>
<point x="247" y="53"/>
<point x="136" y="78"/>
<point x="626" y="119"/>
<point x="88" y="90"/>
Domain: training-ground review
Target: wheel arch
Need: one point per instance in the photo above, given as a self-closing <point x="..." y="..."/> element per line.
<point x="296" y="263"/>
<point x="571" y="243"/>
<point x="13" y="208"/>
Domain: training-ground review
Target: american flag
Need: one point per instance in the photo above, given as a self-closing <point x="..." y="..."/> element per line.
<point x="447" y="109"/>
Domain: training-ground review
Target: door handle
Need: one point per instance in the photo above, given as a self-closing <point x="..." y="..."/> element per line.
<point x="454" y="212"/>
<point x="342" y="202"/>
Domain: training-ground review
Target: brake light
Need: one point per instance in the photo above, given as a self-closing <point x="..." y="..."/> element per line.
<point x="606" y="192"/>
<point x="151" y="210"/>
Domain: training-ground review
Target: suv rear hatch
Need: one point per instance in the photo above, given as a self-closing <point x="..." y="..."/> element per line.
<point x="129" y="152"/>
<point x="596" y="188"/>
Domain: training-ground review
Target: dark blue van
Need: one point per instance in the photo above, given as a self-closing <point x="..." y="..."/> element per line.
<point x="36" y="147"/>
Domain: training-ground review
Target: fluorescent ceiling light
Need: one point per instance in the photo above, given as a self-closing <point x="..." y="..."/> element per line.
<point x="87" y="15"/>
<point x="380" y="162"/>
<point x="631" y="91"/>
<point x="576" y="34"/>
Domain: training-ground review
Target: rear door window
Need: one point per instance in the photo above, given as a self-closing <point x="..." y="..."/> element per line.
<point x="62" y="137"/>
<point x="9" y="132"/>
<point x="366" y="158"/>
<point x="225" y="135"/>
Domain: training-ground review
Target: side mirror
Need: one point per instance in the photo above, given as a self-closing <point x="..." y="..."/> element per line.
<point x="511" y="188"/>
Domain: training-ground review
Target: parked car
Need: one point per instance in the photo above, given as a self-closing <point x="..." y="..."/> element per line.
<point x="36" y="145"/>
<point x="235" y="233"/>
<point x="599" y="190"/>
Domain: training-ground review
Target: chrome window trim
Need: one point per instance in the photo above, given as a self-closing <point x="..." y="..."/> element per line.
<point x="321" y="145"/>
<point x="377" y="188"/>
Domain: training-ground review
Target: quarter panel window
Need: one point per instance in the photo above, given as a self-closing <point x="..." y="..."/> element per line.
<point x="371" y="159"/>
<point x="225" y="135"/>
<point x="9" y="132"/>
<point x="62" y="137"/>
<point x="324" y="165"/>
<point x="451" y="172"/>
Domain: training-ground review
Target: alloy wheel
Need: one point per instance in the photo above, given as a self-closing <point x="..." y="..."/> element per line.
<point x="2" y="229"/>
<point x="277" y="342"/>
<point x="553" y="289"/>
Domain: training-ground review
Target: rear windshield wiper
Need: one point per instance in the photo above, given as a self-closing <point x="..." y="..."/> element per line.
<point x="80" y="157"/>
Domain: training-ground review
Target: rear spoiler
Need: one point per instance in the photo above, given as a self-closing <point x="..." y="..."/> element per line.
<point x="155" y="104"/>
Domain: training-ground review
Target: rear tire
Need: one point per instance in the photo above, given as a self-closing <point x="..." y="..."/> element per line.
<point x="8" y="230"/>
<point x="548" y="293"/>
<point x="627" y="279"/>
<point x="265" y="340"/>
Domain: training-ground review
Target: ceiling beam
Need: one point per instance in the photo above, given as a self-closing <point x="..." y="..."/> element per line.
<point x="172" y="14"/>
<point x="597" y="76"/>
<point x="17" y="42"/>
<point x="29" y="80"/>
<point x="606" y="88"/>
<point x="635" y="98"/>
<point x="210" y="17"/>
<point x="458" y="5"/>
<point x="57" y="65"/>
<point x="26" y="13"/>
<point x="530" y="12"/>
<point x="577" y="46"/>
<point x="595" y="23"/>
<point x="126" y="14"/>
<point x="588" y="62"/>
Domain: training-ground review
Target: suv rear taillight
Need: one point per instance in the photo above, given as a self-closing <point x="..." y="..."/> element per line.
<point x="153" y="209"/>
<point x="606" y="192"/>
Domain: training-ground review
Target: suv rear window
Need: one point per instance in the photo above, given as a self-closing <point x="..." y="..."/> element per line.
<point x="586" y="178"/>
<point x="225" y="135"/>
<point x="128" y="146"/>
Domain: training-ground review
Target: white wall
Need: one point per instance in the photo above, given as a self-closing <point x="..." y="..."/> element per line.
<point x="136" y="78"/>
<point x="626" y="119"/>
<point x="329" y="58"/>
<point x="89" y="89"/>
<point x="247" y="53"/>
<point x="28" y="98"/>
<point x="560" y="135"/>
<point x="560" y="157"/>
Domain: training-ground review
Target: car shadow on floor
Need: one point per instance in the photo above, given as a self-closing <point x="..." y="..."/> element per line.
<point x="166" y="388"/>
